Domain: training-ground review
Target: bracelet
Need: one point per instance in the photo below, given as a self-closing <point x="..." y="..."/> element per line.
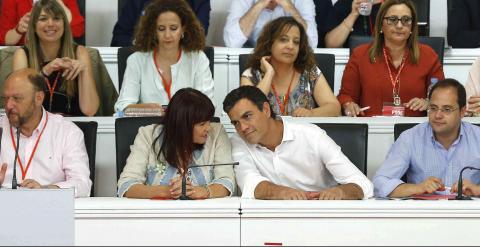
<point x="208" y="190"/>
<point x="18" y="31"/>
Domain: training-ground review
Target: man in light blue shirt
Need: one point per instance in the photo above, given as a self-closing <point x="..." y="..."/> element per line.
<point x="431" y="155"/>
<point x="246" y="19"/>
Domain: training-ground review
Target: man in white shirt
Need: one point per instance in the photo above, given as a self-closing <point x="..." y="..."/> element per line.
<point x="284" y="160"/>
<point x="246" y="19"/>
<point x="51" y="149"/>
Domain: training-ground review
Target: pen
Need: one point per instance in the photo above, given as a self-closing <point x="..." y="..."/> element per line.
<point x="365" y="108"/>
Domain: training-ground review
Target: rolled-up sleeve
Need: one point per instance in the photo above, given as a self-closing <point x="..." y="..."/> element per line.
<point x="233" y="35"/>
<point x="130" y="91"/>
<point x="247" y="174"/>
<point x="75" y="162"/>
<point x="306" y="8"/>
<point x="388" y="176"/>
<point x="341" y="168"/>
<point x="224" y="175"/>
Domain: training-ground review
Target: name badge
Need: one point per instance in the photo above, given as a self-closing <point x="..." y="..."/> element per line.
<point x="389" y="109"/>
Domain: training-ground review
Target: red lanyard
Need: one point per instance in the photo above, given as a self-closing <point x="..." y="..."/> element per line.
<point x="287" y="96"/>
<point x="394" y="82"/>
<point x="51" y="89"/>
<point x="25" y="170"/>
<point x="167" y="85"/>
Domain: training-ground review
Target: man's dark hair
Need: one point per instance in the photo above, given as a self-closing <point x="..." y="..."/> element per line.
<point x="451" y="83"/>
<point x="251" y="93"/>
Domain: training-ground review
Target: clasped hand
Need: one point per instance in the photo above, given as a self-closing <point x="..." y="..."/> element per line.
<point x="195" y="192"/>
<point x="70" y="67"/>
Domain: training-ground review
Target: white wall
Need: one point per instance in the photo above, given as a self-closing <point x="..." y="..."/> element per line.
<point x="102" y="15"/>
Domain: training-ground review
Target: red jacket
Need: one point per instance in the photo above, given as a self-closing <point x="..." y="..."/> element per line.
<point x="368" y="84"/>
<point x="13" y="10"/>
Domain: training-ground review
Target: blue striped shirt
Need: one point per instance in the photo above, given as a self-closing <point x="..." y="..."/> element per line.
<point x="418" y="155"/>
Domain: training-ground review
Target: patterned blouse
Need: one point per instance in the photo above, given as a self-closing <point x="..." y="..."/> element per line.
<point x="300" y="96"/>
<point x="143" y="167"/>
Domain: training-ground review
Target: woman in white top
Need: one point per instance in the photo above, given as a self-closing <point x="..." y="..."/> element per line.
<point x="472" y="86"/>
<point x="169" y="41"/>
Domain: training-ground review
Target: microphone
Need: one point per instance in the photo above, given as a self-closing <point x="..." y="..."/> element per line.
<point x="14" y="177"/>
<point x="184" y="179"/>
<point x="460" y="184"/>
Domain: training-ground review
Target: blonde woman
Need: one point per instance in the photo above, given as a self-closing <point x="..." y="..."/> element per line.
<point x="70" y="87"/>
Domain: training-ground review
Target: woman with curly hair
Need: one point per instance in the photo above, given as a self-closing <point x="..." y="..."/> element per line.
<point x="283" y="67"/>
<point x="169" y="41"/>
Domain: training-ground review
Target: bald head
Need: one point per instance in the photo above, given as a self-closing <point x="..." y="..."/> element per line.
<point x="23" y="97"/>
<point x="22" y="76"/>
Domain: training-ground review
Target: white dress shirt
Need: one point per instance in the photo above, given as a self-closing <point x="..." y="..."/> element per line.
<point x="235" y="38"/>
<point x="142" y="82"/>
<point x="60" y="159"/>
<point x="306" y="159"/>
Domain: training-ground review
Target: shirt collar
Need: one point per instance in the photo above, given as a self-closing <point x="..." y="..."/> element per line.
<point x="287" y="131"/>
<point x="459" y="138"/>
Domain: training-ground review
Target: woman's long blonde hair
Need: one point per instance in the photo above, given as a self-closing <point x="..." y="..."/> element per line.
<point x="35" y="54"/>
<point x="376" y="50"/>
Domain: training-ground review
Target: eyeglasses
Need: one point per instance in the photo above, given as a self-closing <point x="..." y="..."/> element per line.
<point x="446" y="110"/>
<point x="393" y="20"/>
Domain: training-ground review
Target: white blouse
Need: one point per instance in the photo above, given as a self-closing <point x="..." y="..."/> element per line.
<point x="142" y="82"/>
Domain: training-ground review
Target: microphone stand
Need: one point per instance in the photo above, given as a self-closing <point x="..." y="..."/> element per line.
<point x="14" y="177"/>
<point x="460" y="195"/>
<point x="184" y="196"/>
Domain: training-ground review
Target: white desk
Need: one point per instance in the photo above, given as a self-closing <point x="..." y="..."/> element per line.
<point x="368" y="222"/>
<point x="121" y="221"/>
<point x="117" y="221"/>
<point x="380" y="139"/>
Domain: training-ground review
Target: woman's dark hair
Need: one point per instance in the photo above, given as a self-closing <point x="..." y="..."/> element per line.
<point x="272" y="31"/>
<point x="186" y="108"/>
<point x="145" y="32"/>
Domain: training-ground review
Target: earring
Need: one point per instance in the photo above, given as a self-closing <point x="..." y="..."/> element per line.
<point x="381" y="31"/>
<point x="183" y="35"/>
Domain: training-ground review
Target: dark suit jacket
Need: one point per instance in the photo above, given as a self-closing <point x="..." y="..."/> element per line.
<point x="322" y="9"/>
<point x="464" y="24"/>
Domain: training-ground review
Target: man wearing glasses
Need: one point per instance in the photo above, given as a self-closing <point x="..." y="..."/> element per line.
<point x="428" y="157"/>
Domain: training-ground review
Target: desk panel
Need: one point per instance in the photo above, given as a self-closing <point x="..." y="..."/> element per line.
<point x="122" y="221"/>
<point x="367" y="223"/>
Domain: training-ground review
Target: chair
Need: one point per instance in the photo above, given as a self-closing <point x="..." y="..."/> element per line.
<point x="437" y="43"/>
<point x="124" y="52"/>
<point x="325" y="62"/>
<point x="81" y="7"/>
<point x="423" y="14"/>
<point x="353" y="140"/>
<point x="126" y="129"/>
<point x="399" y="128"/>
<point x="89" y="130"/>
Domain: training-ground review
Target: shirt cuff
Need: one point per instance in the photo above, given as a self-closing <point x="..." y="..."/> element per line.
<point x="79" y="191"/>
<point x="248" y="190"/>
<point x="386" y="188"/>
<point x="225" y="183"/>
<point x="122" y="189"/>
